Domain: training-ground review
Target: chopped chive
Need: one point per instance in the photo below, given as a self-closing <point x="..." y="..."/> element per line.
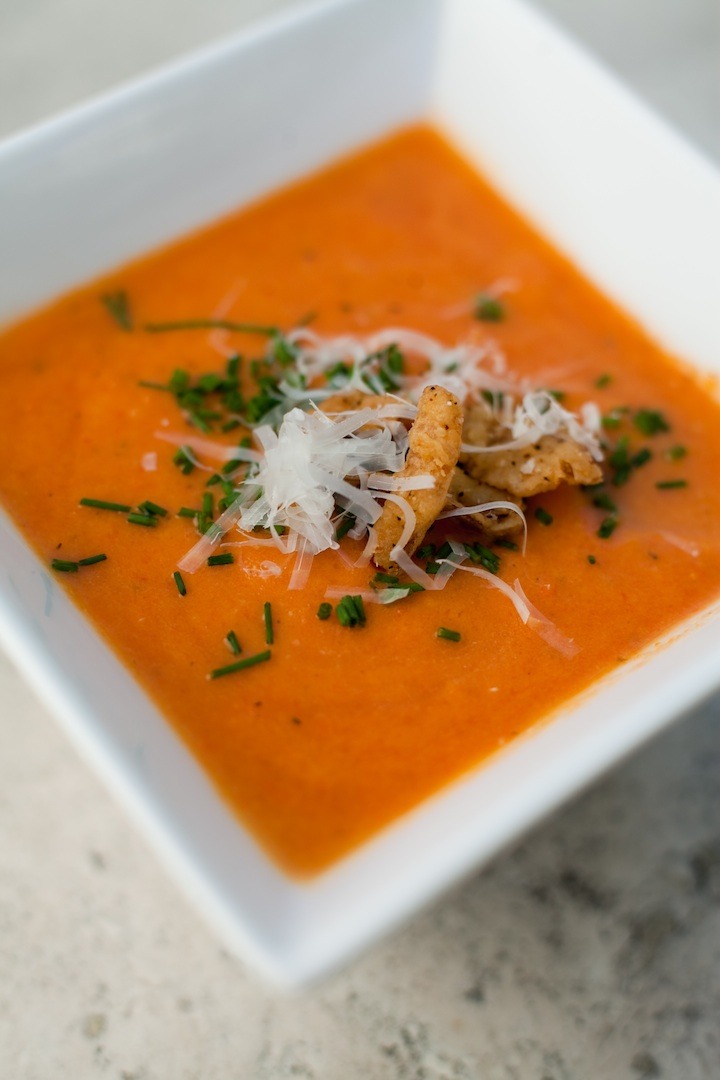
<point x="591" y="559"/>
<point x="351" y="611"/>
<point x="344" y="525"/>
<point x="432" y="567"/>
<point x="559" y="395"/>
<point x="444" y="551"/>
<point x="543" y="517"/>
<point x="207" y="504"/>
<point x="142" y="519"/>
<point x="233" y="643"/>
<point x="607" y="527"/>
<point x="177" y="578"/>
<point x="666" y="485"/>
<point x="675" y="453"/>
<point x="484" y="556"/>
<point x="426" y="551"/>
<point x="209" y="324"/>
<point x="152" y="508"/>
<point x="233" y="366"/>
<point x="91" y="560"/>
<point x="117" y="306"/>
<point x="187" y="512"/>
<point x="603" y="502"/>
<point x="223" y="559"/>
<point x="641" y="458"/>
<point x="183" y="459"/>
<point x="64" y="566"/>
<point x="650" y="421"/>
<point x="240" y="665"/>
<point x="101" y="504"/>
<point x="324" y="611"/>
<point x="448" y="635"/>
<point x="385" y="579"/>
<point x="602" y="381"/>
<point x="488" y="308"/>
<point x="268" y="620"/>
<point x="507" y="544"/>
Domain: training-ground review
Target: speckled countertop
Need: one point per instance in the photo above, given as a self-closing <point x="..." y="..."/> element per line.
<point x="589" y="952"/>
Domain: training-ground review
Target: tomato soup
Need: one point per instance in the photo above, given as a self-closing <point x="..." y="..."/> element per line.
<point x="343" y="728"/>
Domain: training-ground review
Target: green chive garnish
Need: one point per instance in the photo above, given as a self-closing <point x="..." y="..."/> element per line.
<point x="675" y="453"/>
<point x="351" y="611"/>
<point x="233" y="643"/>
<point x="187" y="512"/>
<point x="592" y="560"/>
<point x="488" y="308"/>
<point x="324" y="611"/>
<point x="183" y="459"/>
<point x="64" y="566"/>
<point x="223" y="559"/>
<point x="385" y="579"/>
<point x="207" y="504"/>
<point x="117" y="306"/>
<point x="209" y="324"/>
<point x="602" y="381"/>
<point x="268" y="620"/>
<point x="650" y="421"/>
<point x="543" y="517"/>
<point x="91" y="560"/>
<point x="152" y="508"/>
<point x="666" y="485"/>
<point x="603" y="502"/>
<point x="344" y="526"/>
<point x="507" y="544"/>
<point x="607" y="527"/>
<point x="249" y="661"/>
<point x="448" y="635"/>
<point x="177" y="578"/>
<point x="142" y="519"/>
<point x="101" y="504"/>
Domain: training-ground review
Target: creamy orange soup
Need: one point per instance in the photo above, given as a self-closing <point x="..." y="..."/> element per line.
<point x="345" y="728"/>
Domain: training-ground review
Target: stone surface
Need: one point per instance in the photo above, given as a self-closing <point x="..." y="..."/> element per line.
<point x="589" y="952"/>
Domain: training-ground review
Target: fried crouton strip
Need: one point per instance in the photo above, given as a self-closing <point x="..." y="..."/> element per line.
<point x="530" y="470"/>
<point x="433" y="447"/>
<point x="492" y="524"/>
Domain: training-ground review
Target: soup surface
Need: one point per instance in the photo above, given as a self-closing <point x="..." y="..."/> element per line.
<point x="344" y="728"/>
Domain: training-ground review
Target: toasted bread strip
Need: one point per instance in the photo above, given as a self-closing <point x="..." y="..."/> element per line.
<point x="434" y="445"/>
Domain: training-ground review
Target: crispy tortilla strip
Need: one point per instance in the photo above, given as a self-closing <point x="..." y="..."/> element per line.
<point x="493" y="524"/>
<point x="434" y="446"/>
<point x="541" y="466"/>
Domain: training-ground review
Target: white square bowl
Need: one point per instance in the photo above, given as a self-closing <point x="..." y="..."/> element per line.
<point x="626" y="199"/>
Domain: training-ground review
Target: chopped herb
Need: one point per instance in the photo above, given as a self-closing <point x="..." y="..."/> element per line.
<point x="666" y="485"/>
<point x="432" y="567"/>
<point x="444" y="551"/>
<point x="64" y="566"/>
<point x="488" y="308"/>
<point x="91" y="560"/>
<point x="184" y="460"/>
<point x="344" y="525"/>
<point x="148" y="507"/>
<point x="351" y="611"/>
<point x="641" y="458"/>
<point x="650" y="421"/>
<point x="484" y="556"/>
<point x="240" y="665"/>
<point x="612" y="419"/>
<point x="210" y="324"/>
<point x="233" y="366"/>
<point x="623" y="462"/>
<point x="187" y="512"/>
<point x="268" y="620"/>
<point x="207" y="504"/>
<point x="142" y="519"/>
<point x="233" y="643"/>
<point x="385" y="579"/>
<point x="543" y="516"/>
<point x="426" y="551"/>
<point x="603" y="502"/>
<point x="607" y="527"/>
<point x="507" y="544"/>
<point x="448" y="635"/>
<point x="591" y="559"/>
<point x="100" y="504"/>
<point x="602" y="381"/>
<point x="675" y="453"/>
<point x="117" y="306"/>
<point x="324" y="611"/>
<point x="559" y="395"/>
<point x="177" y="578"/>
<point x="223" y="559"/>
